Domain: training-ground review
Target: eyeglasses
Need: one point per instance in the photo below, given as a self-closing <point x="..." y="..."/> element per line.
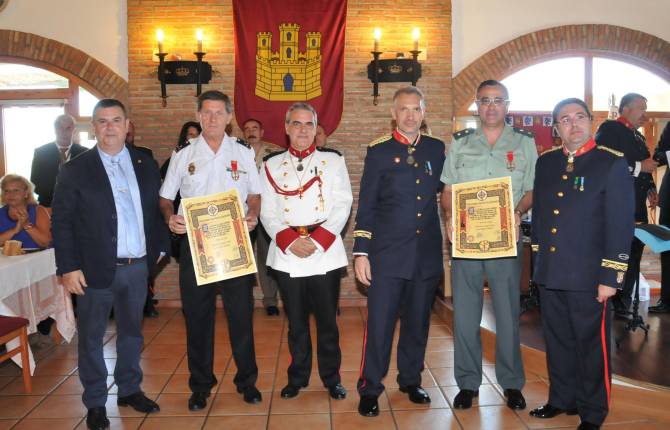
<point x="486" y="101"/>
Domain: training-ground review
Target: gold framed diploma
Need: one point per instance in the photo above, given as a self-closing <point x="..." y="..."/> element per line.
<point x="217" y="232"/>
<point x="483" y="217"/>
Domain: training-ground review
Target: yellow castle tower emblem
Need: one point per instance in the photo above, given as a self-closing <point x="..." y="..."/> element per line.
<point x="288" y="75"/>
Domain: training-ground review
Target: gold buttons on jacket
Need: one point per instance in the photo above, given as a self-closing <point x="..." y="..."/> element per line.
<point x="565" y="177"/>
<point x="418" y="181"/>
<point x="419" y="214"/>
<point x="552" y="249"/>
<point x="554" y="230"/>
<point x="418" y="197"/>
<point x="559" y="194"/>
<point x="556" y="212"/>
<point x="418" y="231"/>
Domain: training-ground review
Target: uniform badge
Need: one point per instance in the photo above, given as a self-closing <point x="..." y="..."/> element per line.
<point x="191" y="168"/>
<point x="619" y="277"/>
<point x="234" y="173"/>
<point x="510" y="161"/>
<point x="396" y="160"/>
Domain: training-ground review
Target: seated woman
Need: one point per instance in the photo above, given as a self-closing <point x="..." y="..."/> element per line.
<point x="21" y="218"/>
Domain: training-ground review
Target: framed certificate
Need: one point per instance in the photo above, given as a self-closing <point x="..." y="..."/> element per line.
<point x="217" y="232"/>
<point x="483" y="217"/>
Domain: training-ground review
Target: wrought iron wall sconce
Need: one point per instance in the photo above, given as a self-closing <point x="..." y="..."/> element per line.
<point x="182" y="72"/>
<point x="398" y="69"/>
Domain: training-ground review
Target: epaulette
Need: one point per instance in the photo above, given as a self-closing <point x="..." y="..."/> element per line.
<point x="272" y="154"/>
<point x="610" y="150"/>
<point x="523" y="131"/>
<point x="426" y="134"/>
<point x="243" y="143"/>
<point x="324" y="149"/>
<point x="555" y="148"/>
<point x="462" y="133"/>
<point x="382" y="139"/>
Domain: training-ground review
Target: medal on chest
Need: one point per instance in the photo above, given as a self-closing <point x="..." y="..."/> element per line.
<point x="510" y="161"/>
<point x="234" y="172"/>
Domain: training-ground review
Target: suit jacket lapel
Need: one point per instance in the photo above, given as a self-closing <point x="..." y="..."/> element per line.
<point x="142" y="178"/>
<point x="99" y="176"/>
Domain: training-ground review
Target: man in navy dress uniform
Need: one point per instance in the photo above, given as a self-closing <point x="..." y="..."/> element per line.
<point x="398" y="249"/>
<point x="582" y="227"/>
<point x="622" y="135"/>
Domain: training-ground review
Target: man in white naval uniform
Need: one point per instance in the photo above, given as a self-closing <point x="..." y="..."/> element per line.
<point x="305" y="202"/>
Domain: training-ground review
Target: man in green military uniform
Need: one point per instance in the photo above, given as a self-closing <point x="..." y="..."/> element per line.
<point x="494" y="150"/>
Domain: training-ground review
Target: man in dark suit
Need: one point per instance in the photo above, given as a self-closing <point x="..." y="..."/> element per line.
<point x="582" y="229"/>
<point x="108" y="233"/>
<point x="398" y="249"/>
<point x="622" y="135"/>
<point x="661" y="155"/>
<point x="48" y="158"/>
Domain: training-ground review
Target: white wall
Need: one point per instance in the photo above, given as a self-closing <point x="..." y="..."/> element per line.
<point x="481" y="25"/>
<point x="97" y="27"/>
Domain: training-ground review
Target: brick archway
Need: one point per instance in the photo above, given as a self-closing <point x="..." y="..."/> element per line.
<point x="62" y="59"/>
<point x="604" y="40"/>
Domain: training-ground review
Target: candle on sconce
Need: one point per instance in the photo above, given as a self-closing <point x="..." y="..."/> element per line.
<point x="159" y="38"/>
<point x="415" y="35"/>
<point x="198" y="36"/>
<point x="377" y="35"/>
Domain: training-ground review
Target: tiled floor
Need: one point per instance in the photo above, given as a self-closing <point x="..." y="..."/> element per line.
<point x="55" y="402"/>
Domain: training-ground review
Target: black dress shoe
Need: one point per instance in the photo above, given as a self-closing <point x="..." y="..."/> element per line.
<point x="416" y="394"/>
<point x="463" y="399"/>
<point x="139" y="402"/>
<point x="96" y="419"/>
<point x="290" y="391"/>
<point x="660" y="308"/>
<point x="272" y="310"/>
<point x="368" y="406"/>
<point x="251" y="394"/>
<point x="549" y="411"/>
<point x="515" y="399"/>
<point x="337" y="391"/>
<point x="197" y="401"/>
<point x="584" y="425"/>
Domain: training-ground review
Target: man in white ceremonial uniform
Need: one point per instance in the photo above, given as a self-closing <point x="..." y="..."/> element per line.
<point x="306" y="200"/>
<point x="214" y="162"/>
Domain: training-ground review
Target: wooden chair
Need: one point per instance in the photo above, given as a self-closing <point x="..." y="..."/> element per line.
<point x="11" y="328"/>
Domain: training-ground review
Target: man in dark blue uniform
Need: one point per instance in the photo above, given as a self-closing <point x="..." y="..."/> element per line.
<point x="398" y="249"/>
<point x="582" y="227"/>
<point x="622" y="135"/>
<point x="661" y="155"/>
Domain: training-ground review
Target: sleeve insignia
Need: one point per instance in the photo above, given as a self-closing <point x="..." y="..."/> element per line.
<point x="363" y="234"/>
<point x="524" y="132"/>
<point x="535" y="248"/>
<point x="615" y="265"/>
<point x="462" y="133"/>
<point x="382" y="139"/>
<point x="611" y="151"/>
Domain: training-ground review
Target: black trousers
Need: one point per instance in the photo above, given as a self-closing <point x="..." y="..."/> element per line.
<point x="126" y="295"/>
<point x="632" y="273"/>
<point x="577" y="334"/>
<point x="321" y="294"/>
<point x="388" y="297"/>
<point x="199" y="304"/>
<point x="664" y="219"/>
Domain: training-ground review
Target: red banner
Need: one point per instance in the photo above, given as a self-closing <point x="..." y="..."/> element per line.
<point x="286" y="52"/>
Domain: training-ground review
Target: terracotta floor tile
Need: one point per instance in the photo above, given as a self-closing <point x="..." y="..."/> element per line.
<point x="178" y="383"/>
<point x="8" y="424"/>
<point x="8" y="368"/>
<point x="68" y="406"/>
<point x="264" y="364"/>
<point x="55" y="366"/>
<point x="72" y="385"/>
<point x="311" y="422"/>
<point x="435" y="419"/>
<point x="237" y="422"/>
<point x="4" y="381"/>
<point x="440" y="344"/>
<point x="170" y="423"/>
<point x="440" y="359"/>
<point x="41" y="385"/>
<point x="177" y="405"/>
<point x="64" y="351"/>
<point x="163" y="351"/>
<point x="391" y="381"/>
<point x="535" y="392"/>
<point x="152" y="384"/>
<point x="50" y="423"/>
<point x="156" y="366"/>
<point x="234" y="404"/>
<point x="17" y="406"/>
<point x="353" y="420"/>
<point x="117" y="423"/>
<point x="561" y="421"/>
<point x="315" y="383"/>
<point x="493" y="417"/>
<point x="444" y="376"/>
<point x="166" y="338"/>
<point x="636" y="426"/>
<point x="400" y="401"/>
<point x="488" y="395"/>
<point x="307" y="402"/>
<point x="439" y="330"/>
<point x="350" y="403"/>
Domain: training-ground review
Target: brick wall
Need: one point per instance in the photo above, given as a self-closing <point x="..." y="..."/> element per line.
<point x="158" y="127"/>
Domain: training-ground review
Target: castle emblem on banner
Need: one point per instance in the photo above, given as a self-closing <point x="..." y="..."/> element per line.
<point x="288" y="75"/>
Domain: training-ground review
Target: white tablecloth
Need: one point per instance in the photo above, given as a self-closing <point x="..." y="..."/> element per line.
<point x="29" y="288"/>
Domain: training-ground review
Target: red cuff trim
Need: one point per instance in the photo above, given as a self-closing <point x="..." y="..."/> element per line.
<point x="323" y="237"/>
<point x="285" y="238"/>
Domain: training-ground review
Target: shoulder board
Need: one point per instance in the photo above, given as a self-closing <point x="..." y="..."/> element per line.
<point x="272" y="154"/>
<point x="382" y="139"/>
<point x="610" y="150"/>
<point x="243" y="143"/>
<point x="322" y="149"/>
<point x="523" y="131"/>
<point x="555" y="148"/>
<point x="462" y="133"/>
